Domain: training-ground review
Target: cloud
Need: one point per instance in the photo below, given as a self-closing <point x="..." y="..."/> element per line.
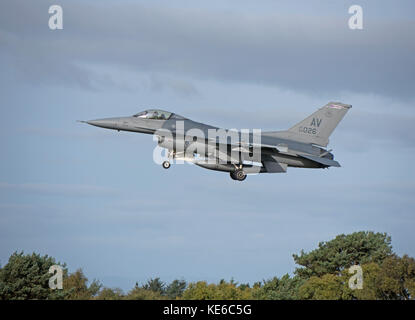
<point x="314" y="54"/>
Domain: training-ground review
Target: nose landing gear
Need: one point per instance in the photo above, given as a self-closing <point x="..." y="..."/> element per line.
<point x="166" y="164"/>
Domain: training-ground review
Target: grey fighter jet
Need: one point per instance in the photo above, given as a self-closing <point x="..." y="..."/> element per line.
<point x="234" y="151"/>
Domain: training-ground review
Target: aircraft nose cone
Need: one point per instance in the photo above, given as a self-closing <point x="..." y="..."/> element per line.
<point x="110" y="123"/>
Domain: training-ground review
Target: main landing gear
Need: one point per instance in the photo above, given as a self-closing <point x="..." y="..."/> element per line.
<point x="238" y="175"/>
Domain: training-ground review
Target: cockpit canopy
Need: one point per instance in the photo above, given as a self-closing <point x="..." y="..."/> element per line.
<point x="156" y="114"/>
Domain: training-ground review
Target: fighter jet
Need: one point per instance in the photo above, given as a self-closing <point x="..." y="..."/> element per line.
<point x="301" y="146"/>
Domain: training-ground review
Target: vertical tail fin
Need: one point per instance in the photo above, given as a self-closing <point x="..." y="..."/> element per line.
<point x="317" y="127"/>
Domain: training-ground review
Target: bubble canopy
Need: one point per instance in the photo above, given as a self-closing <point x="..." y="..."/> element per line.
<point x="157" y="114"/>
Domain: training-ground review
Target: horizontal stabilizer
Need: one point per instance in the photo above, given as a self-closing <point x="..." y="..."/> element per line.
<point x="324" y="161"/>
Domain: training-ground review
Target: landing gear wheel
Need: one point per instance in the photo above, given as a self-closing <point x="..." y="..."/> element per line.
<point x="238" y="175"/>
<point x="166" y="164"/>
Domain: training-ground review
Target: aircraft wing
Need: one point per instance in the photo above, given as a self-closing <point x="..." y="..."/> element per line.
<point x="276" y="167"/>
<point x="324" y="161"/>
<point x="273" y="166"/>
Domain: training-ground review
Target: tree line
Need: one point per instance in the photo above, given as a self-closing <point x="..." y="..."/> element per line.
<point x="322" y="274"/>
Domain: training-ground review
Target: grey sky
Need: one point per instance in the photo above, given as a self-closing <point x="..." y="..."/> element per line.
<point x="306" y="51"/>
<point x="95" y="199"/>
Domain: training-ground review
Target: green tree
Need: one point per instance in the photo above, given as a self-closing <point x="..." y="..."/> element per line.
<point x="110" y="294"/>
<point x="175" y="289"/>
<point x="155" y="285"/>
<point x="370" y="290"/>
<point x="334" y="256"/>
<point x="326" y="287"/>
<point x="27" y="277"/>
<point x="393" y="279"/>
<point x="77" y="286"/>
<point x="396" y="278"/>
<point x="222" y="291"/>
<point x="139" y="293"/>
<point x="285" y="288"/>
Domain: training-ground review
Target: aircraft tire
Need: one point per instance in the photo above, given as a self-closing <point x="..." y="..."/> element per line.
<point x="166" y="164"/>
<point x="239" y="175"/>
